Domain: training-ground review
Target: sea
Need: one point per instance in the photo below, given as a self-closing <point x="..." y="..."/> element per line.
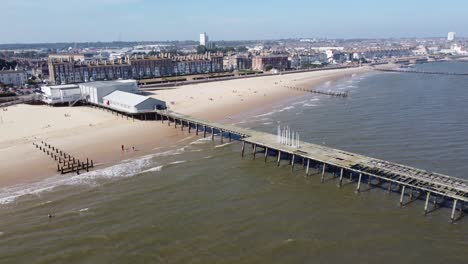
<point x="201" y="202"/>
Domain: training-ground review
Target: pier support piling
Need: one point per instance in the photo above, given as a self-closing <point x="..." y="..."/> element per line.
<point x="341" y="178"/>
<point x="279" y="158"/>
<point x="204" y="131"/>
<point x="243" y="148"/>
<point x="323" y="173"/>
<point x="428" y="195"/>
<point x="454" y="207"/>
<point x="293" y="161"/>
<point x="358" y="188"/>
<point x="402" y="196"/>
<point x="307" y="169"/>
<point x="254" y="151"/>
<point x="266" y="154"/>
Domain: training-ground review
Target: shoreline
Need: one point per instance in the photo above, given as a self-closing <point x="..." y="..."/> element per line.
<point x="148" y="137"/>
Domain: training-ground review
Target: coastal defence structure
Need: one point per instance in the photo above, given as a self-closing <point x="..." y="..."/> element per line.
<point x="437" y="190"/>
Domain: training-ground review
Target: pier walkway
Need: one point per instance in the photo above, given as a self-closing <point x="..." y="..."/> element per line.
<point x="438" y="189"/>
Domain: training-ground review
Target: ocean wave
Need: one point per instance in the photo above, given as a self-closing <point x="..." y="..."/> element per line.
<point x="309" y="105"/>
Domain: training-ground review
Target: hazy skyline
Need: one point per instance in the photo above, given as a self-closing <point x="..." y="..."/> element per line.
<point x="34" y="21"/>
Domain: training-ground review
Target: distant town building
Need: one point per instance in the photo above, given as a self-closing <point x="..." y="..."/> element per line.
<point x="237" y="62"/>
<point x="204" y="39"/>
<point x="451" y="36"/>
<point x="14" y="77"/>
<point x="278" y="62"/>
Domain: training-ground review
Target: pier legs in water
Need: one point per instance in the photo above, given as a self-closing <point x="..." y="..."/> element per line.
<point x="279" y="158"/>
<point x="243" y="148"/>
<point x="454" y="208"/>
<point x="358" y="188"/>
<point x="402" y="195"/>
<point x="341" y="178"/>
<point x="293" y="160"/>
<point x="254" y="151"/>
<point x="307" y="170"/>
<point x="428" y="195"/>
<point x="323" y="173"/>
<point x="266" y="154"/>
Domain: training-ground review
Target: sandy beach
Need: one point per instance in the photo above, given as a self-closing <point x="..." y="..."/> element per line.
<point x="98" y="134"/>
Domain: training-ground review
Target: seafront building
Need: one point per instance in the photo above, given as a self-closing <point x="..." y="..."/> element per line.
<point x="118" y="95"/>
<point x="66" y="70"/>
<point x="13" y="77"/>
<point x="278" y="62"/>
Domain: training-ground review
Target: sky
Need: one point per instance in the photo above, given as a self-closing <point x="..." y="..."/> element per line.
<point x="38" y="21"/>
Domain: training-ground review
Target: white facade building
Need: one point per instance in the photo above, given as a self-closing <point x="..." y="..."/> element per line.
<point x="451" y="36"/>
<point x="204" y="39"/>
<point x="95" y="91"/>
<point x="132" y="103"/>
<point x="13" y="77"/>
<point x="61" y="94"/>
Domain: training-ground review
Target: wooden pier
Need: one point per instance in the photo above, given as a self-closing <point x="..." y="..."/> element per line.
<point x="66" y="163"/>
<point x="437" y="190"/>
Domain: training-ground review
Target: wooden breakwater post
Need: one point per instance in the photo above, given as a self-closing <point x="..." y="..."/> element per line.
<point x="66" y="163"/>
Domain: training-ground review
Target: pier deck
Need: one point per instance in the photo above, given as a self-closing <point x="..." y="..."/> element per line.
<point x="356" y="167"/>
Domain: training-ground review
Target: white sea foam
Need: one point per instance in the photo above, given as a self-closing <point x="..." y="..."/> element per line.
<point x="124" y="169"/>
<point x="309" y="105"/>
<point x="223" y="145"/>
<point x="83" y="210"/>
<point x="177" y="162"/>
<point x="157" y="168"/>
<point x="268" y="123"/>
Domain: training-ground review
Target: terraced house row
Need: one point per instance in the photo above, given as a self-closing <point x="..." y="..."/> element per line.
<point x="68" y="68"/>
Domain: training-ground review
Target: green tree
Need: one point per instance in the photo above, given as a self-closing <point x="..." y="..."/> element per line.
<point x="268" y="67"/>
<point x="241" y="49"/>
<point x="201" y="49"/>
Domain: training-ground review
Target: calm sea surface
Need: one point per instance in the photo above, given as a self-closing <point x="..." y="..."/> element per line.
<point x="200" y="202"/>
